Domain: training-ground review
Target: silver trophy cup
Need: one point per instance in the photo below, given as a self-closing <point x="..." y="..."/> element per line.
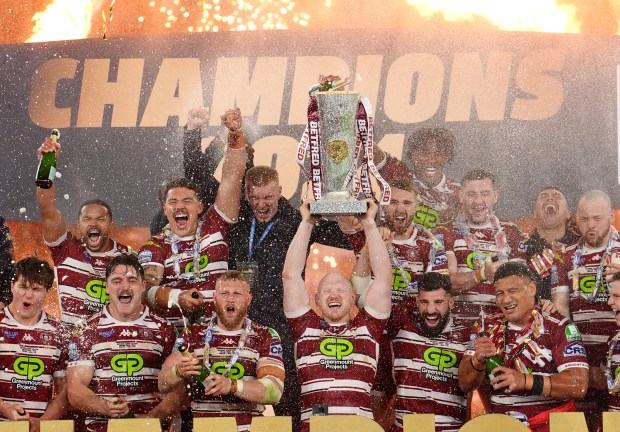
<point x="337" y="112"/>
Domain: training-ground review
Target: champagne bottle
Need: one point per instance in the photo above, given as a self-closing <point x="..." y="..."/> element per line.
<point x="492" y="363"/>
<point x="200" y="380"/>
<point x="47" y="166"/>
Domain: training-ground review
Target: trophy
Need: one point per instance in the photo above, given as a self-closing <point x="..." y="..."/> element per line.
<point x="339" y="139"/>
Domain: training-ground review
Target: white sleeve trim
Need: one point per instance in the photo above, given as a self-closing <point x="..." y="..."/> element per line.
<point x="560" y="289"/>
<point x="297" y="313"/>
<point x="221" y="213"/>
<point x="61" y="239"/>
<point x="373" y="313"/>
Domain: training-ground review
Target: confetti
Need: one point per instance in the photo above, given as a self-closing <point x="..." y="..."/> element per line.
<point x="66" y="196"/>
<point x="22" y="210"/>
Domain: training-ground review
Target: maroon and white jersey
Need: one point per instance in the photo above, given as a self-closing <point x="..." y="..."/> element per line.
<point x="613" y="363"/>
<point x="557" y="348"/>
<point x="437" y="205"/>
<point x="30" y="358"/>
<point x="126" y="357"/>
<point x="262" y="348"/>
<point x="470" y="244"/>
<point x="593" y="316"/>
<point x="178" y="267"/>
<point x="336" y="365"/>
<point x="81" y="277"/>
<point x="426" y="373"/>
<point x="410" y="260"/>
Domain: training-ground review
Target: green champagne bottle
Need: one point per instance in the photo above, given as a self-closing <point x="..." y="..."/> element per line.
<point x="129" y="415"/>
<point x="205" y="371"/>
<point x="492" y="363"/>
<point x="47" y="166"/>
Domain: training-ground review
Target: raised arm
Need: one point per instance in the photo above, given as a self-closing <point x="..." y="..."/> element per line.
<point x="379" y="293"/>
<point x="52" y="221"/>
<point x="228" y="198"/>
<point x="295" y="292"/>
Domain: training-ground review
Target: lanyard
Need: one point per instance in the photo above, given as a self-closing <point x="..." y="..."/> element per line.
<point x="251" y="246"/>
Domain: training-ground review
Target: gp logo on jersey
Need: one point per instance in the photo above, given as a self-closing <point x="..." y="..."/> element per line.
<point x="30" y="367"/>
<point x="587" y="283"/>
<point x="127" y="363"/>
<point x="236" y="371"/>
<point x="472" y="256"/>
<point x="616" y="371"/>
<point x="426" y="216"/>
<point x="96" y="289"/>
<point x="440" y="358"/>
<point x="398" y="282"/>
<point x="336" y="347"/>
<point x="202" y="263"/>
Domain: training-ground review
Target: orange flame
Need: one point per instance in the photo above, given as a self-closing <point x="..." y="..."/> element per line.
<point x="524" y="15"/>
<point x="62" y="20"/>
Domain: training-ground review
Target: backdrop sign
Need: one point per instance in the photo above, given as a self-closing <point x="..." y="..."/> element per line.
<point x="536" y="109"/>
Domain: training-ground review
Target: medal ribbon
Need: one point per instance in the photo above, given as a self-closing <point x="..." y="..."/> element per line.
<point x="242" y="339"/>
<point x="173" y="238"/>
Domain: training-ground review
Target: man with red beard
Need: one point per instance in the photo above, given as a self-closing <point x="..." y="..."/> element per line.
<point x="535" y="361"/>
<point x="550" y="237"/>
<point x="183" y="262"/>
<point x="426" y="351"/>
<point x="244" y="359"/>
<point x="581" y="290"/>
<point x="427" y="151"/>
<point x="476" y="244"/>
<point x="412" y="249"/>
<point x="80" y="262"/>
<point x="336" y="355"/>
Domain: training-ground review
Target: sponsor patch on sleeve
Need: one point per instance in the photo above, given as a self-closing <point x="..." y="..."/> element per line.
<point x="145" y="256"/>
<point x="572" y="332"/>
<point x="275" y="349"/>
<point x="575" y="349"/>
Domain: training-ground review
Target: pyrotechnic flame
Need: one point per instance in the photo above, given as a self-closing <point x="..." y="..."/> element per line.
<point x="63" y="20"/>
<point x="524" y="15"/>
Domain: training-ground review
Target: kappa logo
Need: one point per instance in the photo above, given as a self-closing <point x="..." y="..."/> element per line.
<point x="30" y="367"/>
<point x="202" y="263"/>
<point x="336" y="347"/>
<point x="28" y="337"/>
<point x="96" y="289"/>
<point x="99" y="263"/>
<point x="228" y="341"/>
<point x="441" y="358"/>
<point x="127" y="363"/>
<point x="398" y="281"/>
<point x="236" y="371"/>
<point x="426" y="216"/>
<point x="128" y="333"/>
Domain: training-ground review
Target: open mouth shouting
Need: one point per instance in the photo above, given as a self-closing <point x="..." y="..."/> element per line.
<point x="263" y="214"/>
<point x="181" y="219"/>
<point x="94" y="238"/>
<point x="125" y="298"/>
<point x="550" y="209"/>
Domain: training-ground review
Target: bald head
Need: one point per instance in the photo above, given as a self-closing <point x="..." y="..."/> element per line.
<point x="595" y="195"/>
<point x="334" y="297"/>
<point x="593" y="217"/>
